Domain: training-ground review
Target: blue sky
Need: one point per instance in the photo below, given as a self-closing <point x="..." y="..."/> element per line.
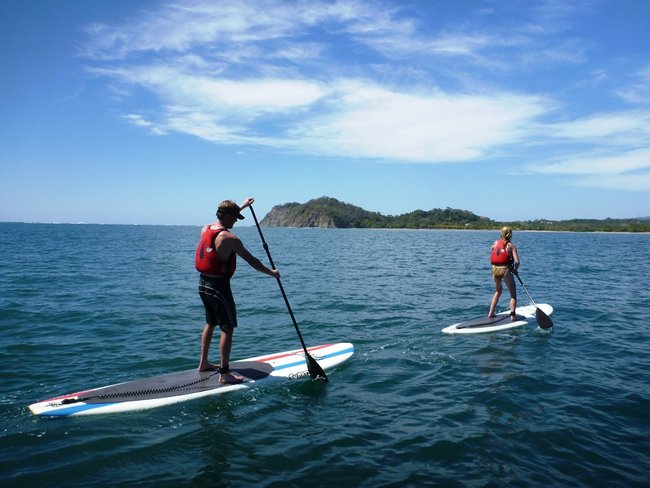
<point x="154" y="111"/>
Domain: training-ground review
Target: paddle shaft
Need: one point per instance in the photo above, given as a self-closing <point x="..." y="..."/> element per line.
<point x="524" y="286"/>
<point x="314" y="368"/>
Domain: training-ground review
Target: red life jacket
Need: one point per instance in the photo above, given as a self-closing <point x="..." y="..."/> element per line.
<point x="207" y="259"/>
<point x="500" y="255"/>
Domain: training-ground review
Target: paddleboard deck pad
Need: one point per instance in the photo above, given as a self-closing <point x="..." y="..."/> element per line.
<point x="502" y="321"/>
<point x="187" y="385"/>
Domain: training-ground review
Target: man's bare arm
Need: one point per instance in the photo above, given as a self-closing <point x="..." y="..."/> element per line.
<point x="255" y="263"/>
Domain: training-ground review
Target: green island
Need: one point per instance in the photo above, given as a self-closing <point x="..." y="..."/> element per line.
<point x="329" y="212"/>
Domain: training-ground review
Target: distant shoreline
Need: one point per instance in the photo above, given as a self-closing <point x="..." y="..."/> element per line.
<point x="457" y="229"/>
<point x="461" y="230"/>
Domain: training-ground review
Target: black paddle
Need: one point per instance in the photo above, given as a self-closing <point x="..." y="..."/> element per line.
<point x="315" y="371"/>
<point x="543" y="320"/>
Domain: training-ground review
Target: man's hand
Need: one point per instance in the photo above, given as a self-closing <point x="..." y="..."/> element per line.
<point x="247" y="203"/>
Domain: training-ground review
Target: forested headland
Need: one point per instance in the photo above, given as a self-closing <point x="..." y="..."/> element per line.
<point x="329" y="212"/>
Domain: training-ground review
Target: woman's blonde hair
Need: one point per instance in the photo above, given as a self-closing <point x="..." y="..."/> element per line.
<point x="506" y="234"/>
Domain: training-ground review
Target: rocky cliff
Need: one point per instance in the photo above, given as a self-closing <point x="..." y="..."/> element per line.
<point x="295" y="215"/>
<point x="321" y="212"/>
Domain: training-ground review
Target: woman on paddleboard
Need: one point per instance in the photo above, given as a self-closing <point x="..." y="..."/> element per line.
<point x="505" y="260"/>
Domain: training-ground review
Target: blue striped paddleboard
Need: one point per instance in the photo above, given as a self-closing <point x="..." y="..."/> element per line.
<point x="186" y="385"/>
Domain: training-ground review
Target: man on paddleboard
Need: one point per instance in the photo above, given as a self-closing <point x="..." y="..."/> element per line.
<point x="505" y="260"/>
<point x="216" y="260"/>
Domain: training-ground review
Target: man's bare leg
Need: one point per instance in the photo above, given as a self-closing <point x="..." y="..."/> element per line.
<point x="206" y="339"/>
<point x="225" y="346"/>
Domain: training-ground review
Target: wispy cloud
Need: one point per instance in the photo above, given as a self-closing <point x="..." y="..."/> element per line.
<point x="630" y="128"/>
<point x="366" y="80"/>
<point x="628" y="162"/>
<point x="637" y="91"/>
<point x="621" y="171"/>
<point x="619" y="150"/>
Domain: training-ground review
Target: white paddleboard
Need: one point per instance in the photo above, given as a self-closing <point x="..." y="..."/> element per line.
<point x="524" y="316"/>
<point x="187" y="385"/>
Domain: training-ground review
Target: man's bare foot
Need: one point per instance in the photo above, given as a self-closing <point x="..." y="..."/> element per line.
<point x="491" y="316"/>
<point x="230" y="378"/>
<point x="207" y="367"/>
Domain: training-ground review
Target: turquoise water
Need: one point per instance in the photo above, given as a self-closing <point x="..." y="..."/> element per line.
<point x="88" y="305"/>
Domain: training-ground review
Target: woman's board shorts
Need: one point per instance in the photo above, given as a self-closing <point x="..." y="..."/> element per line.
<point x="499" y="271"/>
<point x="218" y="301"/>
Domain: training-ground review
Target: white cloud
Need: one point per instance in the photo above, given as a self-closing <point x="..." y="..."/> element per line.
<point x="181" y="26"/>
<point x="628" y="127"/>
<point x="201" y="125"/>
<point x="624" y="171"/>
<point x="258" y="30"/>
<point x="264" y="95"/>
<point x="599" y="165"/>
<point x="346" y="117"/>
<point x="463" y="45"/>
<point x="619" y="154"/>
<point x="137" y="119"/>
<point x="180" y="87"/>
<point x="355" y="119"/>
<point x="140" y="121"/>
<point x="370" y="121"/>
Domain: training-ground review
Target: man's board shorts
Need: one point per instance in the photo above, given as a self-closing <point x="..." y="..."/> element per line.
<point x="218" y="301"/>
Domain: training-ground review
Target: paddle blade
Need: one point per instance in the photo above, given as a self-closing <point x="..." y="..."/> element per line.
<point x="315" y="371"/>
<point x="543" y="320"/>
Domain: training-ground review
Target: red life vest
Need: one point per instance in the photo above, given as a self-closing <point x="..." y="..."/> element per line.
<point x="207" y="259"/>
<point x="500" y="255"/>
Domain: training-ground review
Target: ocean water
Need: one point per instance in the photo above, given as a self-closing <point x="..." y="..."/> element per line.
<point x="89" y="305"/>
